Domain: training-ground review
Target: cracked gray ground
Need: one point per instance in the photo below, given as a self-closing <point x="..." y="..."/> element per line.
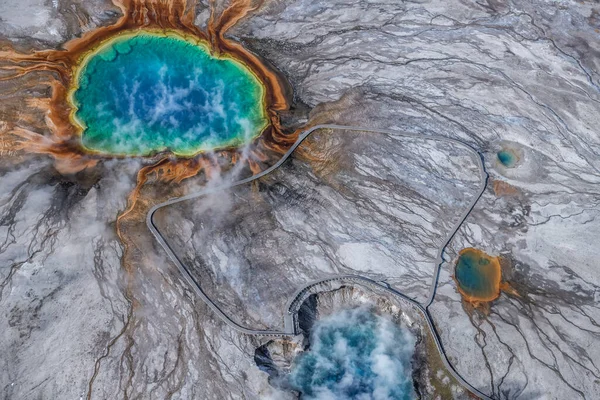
<point x="489" y="73"/>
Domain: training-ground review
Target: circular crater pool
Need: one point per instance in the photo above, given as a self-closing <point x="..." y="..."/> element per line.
<point x="478" y="275"/>
<point x="145" y="92"/>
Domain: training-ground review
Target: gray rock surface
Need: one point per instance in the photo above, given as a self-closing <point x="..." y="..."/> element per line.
<point x="368" y="204"/>
<point x="76" y="324"/>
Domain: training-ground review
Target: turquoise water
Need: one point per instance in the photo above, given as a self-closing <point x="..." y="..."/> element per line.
<point x="507" y="158"/>
<point x="477" y="276"/>
<point x="149" y="92"/>
<point x="469" y="272"/>
<point x="356" y="354"/>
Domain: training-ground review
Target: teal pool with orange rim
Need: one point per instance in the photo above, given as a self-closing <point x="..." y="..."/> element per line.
<point x="146" y="92"/>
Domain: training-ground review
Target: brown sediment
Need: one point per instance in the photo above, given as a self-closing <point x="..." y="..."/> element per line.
<point x="327" y="154"/>
<point x="167" y="169"/>
<point x="502" y="188"/>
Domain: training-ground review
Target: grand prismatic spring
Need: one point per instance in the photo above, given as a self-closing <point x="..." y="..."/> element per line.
<point x="153" y="83"/>
<point x="146" y="92"/>
<point x="185" y="101"/>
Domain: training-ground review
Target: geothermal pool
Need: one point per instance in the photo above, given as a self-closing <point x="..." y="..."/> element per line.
<point x="507" y="157"/>
<point x="478" y="275"/>
<point x="356" y="354"/>
<point x="145" y="92"/>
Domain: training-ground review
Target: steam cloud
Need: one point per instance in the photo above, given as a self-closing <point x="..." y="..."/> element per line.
<point x="356" y="354"/>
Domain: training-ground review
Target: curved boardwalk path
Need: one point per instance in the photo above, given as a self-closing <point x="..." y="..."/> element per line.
<point x="291" y="312"/>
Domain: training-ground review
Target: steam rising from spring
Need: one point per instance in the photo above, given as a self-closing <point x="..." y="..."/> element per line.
<point x="356" y="354"/>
